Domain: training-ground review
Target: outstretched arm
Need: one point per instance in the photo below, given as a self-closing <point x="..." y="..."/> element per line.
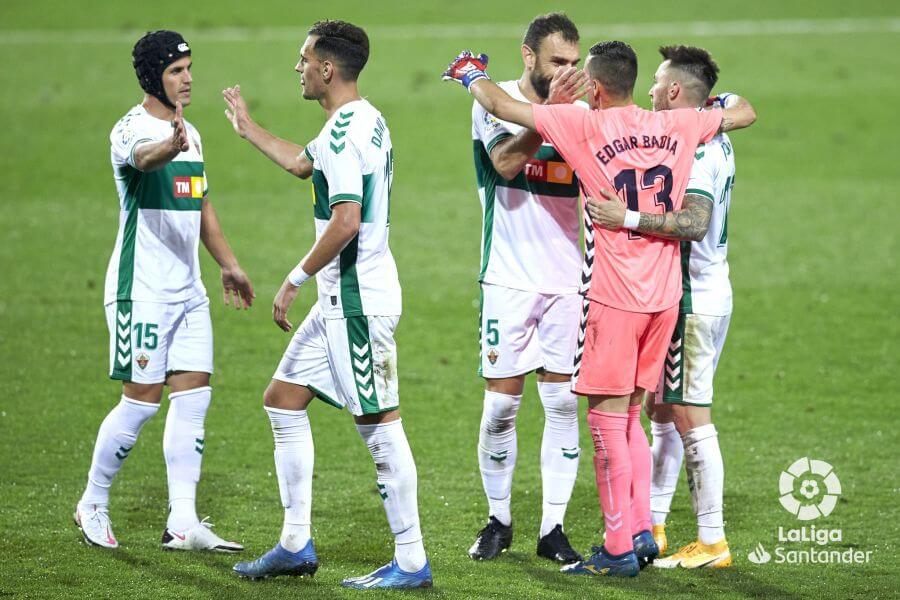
<point x="510" y="155"/>
<point x="287" y="155"/>
<point x="236" y="286"/>
<point x="738" y="113"/>
<point x="690" y="223"/>
<point x="502" y="105"/>
<point x="150" y="156"/>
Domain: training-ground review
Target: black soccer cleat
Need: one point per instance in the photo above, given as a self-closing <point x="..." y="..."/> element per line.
<point x="492" y="541"/>
<point x="555" y="546"/>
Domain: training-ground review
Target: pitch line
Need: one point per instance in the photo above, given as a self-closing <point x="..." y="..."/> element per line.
<point x="671" y="30"/>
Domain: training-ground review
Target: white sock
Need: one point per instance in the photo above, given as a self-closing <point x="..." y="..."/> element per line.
<point x="116" y="438"/>
<point x="294" y="460"/>
<point x="497" y="451"/>
<point x="183" y="443"/>
<point x="706" y="476"/>
<point x="398" y="485"/>
<point x="667" y="452"/>
<point x="559" y="451"/>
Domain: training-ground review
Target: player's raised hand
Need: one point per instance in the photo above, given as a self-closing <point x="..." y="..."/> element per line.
<point x="567" y="86"/>
<point x="608" y="213"/>
<point x="237" y="288"/>
<point x="282" y="303"/>
<point x="467" y="68"/>
<point x="179" y="132"/>
<point x="237" y="112"/>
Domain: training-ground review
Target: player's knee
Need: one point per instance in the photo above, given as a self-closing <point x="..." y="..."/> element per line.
<point x="500" y="411"/>
<point x="560" y="407"/>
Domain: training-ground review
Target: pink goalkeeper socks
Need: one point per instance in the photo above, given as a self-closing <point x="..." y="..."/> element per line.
<point x="612" y="465"/>
<point x="639" y="449"/>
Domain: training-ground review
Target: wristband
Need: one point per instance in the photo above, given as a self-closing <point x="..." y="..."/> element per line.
<point x="297" y="276"/>
<point x="632" y="219"/>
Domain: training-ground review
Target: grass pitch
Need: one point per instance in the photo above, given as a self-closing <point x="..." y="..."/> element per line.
<point x="809" y="368"/>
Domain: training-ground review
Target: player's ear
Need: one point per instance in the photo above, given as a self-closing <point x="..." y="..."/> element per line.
<point x="327" y="71"/>
<point x="528" y="56"/>
<point x="674" y="90"/>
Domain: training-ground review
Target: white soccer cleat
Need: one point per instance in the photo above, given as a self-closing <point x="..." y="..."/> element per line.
<point x="198" y="537"/>
<point x="95" y="526"/>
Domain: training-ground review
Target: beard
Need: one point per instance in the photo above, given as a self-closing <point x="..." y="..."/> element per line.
<point x="541" y="84"/>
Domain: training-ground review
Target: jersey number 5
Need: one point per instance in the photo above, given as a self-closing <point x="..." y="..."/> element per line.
<point x="626" y="181"/>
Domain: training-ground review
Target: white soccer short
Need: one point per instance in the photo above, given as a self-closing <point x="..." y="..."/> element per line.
<point x="348" y="362"/>
<point x="147" y="340"/>
<point x="522" y="331"/>
<point x="692" y="358"/>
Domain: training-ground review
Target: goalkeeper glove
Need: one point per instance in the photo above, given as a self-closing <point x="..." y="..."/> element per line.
<point x="467" y="68"/>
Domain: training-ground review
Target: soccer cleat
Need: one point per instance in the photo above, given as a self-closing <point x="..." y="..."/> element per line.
<point x="602" y="563"/>
<point x="659" y="536"/>
<point x="391" y="577"/>
<point x="698" y="555"/>
<point x="95" y="526"/>
<point x="279" y="561"/>
<point x="645" y="548"/>
<point x="556" y="547"/>
<point x="198" y="537"/>
<point x="493" y="540"/>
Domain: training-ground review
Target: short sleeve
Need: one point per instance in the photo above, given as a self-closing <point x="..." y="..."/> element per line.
<point x="702" y="181"/>
<point x="128" y="134"/>
<point x="487" y="128"/>
<point x="561" y="125"/>
<point x="310" y="150"/>
<point x="342" y="165"/>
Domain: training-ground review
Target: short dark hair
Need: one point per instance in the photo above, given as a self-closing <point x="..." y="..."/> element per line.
<point x="614" y="65"/>
<point x="344" y="43"/>
<point x="544" y="25"/>
<point x="695" y="62"/>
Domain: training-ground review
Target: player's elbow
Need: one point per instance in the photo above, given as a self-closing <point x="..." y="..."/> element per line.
<point x="698" y="235"/>
<point x="299" y="172"/>
<point x="507" y="169"/>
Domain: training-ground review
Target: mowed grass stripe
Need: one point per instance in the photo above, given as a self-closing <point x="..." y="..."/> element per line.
<point x="741" y="28"/>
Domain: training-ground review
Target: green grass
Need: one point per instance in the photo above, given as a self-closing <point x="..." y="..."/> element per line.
<point x="810" y="366"/>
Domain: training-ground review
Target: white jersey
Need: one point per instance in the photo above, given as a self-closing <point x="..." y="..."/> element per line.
<point x="707" y="289"/>
<point x="155" y="257"/>
<point x="353" y="161"/>
<point x="530" y="233"/>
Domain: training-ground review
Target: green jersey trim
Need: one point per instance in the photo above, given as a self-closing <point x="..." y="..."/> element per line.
<point x="344" y="198"/>
<point x="308" y="155"/>
<point x="156" y="190"/>
<point x="351" y="302"/>
<point x="129" y="237"/>
<point x="686" y="306"/>
<point x="497" y="139"/>
<point x="134" y="147"/>
<point x="487" y="178"/>
<point x="699" y="192"/>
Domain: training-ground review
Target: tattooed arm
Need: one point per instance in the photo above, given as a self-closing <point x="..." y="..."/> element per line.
<point x="690" y="223"/>
<point x="738" y="114"/>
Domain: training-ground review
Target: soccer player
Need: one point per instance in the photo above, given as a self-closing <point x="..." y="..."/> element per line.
<point x="529" y="309"/>
<point x="680" y="415"/>
<point x="344" y="351"/>
<point x="634" y="292"/>
<point x="156" y="306"/>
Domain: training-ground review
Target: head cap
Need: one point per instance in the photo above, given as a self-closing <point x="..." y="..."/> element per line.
<point x="150" y="57"/>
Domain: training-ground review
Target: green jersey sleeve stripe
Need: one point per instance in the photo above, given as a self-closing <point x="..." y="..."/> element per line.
<point x="308" y="155"/>
<point x="699" y="192"/>
<point x="499" y="138"/>
<point x="134" y="147"/>
<point x="343" y="198"/>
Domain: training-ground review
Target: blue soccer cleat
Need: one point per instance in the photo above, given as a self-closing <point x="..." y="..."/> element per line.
<point x="645" y="548"/>
<point x="392" y="577"/>
<point x="279" y="561"/>
<point x="602" y="563"/>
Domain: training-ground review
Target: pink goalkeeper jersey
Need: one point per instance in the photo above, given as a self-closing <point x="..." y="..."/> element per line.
<point x="646" y="157"/>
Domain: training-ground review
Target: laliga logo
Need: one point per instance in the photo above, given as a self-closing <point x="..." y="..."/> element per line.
<point x="809" y="489"/>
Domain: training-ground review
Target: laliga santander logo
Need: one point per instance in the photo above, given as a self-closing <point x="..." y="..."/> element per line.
<point x="809" y="489"/>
